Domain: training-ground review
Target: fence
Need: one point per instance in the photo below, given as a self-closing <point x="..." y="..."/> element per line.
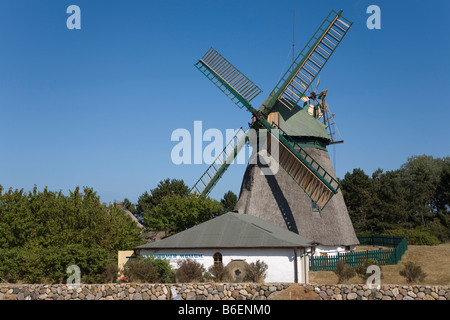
<point x="383" y="256"/>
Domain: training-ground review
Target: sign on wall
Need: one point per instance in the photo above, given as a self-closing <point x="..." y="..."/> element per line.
<point x="177" y="255"/>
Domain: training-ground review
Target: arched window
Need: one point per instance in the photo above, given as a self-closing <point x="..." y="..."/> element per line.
<point x="217" y="258"/>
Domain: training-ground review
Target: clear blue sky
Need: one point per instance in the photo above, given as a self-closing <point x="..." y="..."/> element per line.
<point x="96" y="107"/>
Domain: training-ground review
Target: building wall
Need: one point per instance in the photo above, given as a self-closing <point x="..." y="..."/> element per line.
<point x="123" y="257"/>
<point x="331" y="250"/>
<point x="280" y="261"/>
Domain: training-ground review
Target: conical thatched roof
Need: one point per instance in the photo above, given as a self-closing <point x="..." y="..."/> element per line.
<point x="277" y="199"/>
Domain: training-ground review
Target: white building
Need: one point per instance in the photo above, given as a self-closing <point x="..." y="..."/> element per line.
<point x="233" y="238"/>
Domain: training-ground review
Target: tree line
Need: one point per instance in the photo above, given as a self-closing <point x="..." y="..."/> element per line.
<point x="44" y="232"/>
<point x="412" y="200"/>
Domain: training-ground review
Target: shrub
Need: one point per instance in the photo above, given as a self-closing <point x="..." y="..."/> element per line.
<point x="208" y="276"/>
<point x="165" y="272"/>
<point x="219" y="272"/>
<point x="49" y="265"/>
<point x="417" y="236"/>
<point x="256" y="271"/>
<point x="110" y="273"/>
<point x="344" y="271"/>
<point x="413" y="272"/>
<point x="141" y="270"/>
<point x="189" y="271"/>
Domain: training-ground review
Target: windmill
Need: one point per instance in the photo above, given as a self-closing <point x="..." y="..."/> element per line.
<point x="305" y="171"/>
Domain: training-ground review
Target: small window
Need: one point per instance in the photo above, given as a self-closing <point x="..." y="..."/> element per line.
<point x="217" y="258"/>
<point x="315" y="207"/>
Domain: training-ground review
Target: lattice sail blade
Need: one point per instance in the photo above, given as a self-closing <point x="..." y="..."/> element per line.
<point x="318" y="184"/>
<point x="227" y="78"/>
<point x="306" y="67"/>
<point x="215" y="171"/>
<point x="332" y="128"/>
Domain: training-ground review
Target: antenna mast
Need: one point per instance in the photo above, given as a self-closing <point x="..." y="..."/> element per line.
<point x="293" y="41"/>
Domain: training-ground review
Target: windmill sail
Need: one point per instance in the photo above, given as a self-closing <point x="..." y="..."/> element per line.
<point x="305" y="68"/>
<point x="317" y="183"/>
<point x="215" y="171"/>
<point x="227" y="78"/>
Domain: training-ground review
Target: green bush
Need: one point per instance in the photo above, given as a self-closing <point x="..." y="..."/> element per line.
<point x="218" y="272"/>
<point x="344" y="271"/>
<point x="142" y="271"/>
<point x="413" y="273"/>
<point x="417" y="236"/>
<point x="256" y="271"/>
<point x="189" y="271"/>
<point x="111" y="272"/>
<point x="149" y="270"/>
<point x="49" y="265"/>
<point x="165" y="271"/>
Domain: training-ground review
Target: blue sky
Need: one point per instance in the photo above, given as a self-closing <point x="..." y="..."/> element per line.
<point x="96" y="107"/>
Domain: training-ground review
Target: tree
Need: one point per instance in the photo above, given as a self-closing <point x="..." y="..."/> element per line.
<point x="358" y="191"/>
<point x="415" y="197"/>
<point x="43" y="232"/>
<point x="229" y="201"/>
<point x="443" y="191"/>
<point x="147" y="201"/>
<point x="421" y="177"/>
<point x="390" y="202"/>
<point x="441" y="224"/>
<point x="176" y="213"/>
<point x="127" y="204"/>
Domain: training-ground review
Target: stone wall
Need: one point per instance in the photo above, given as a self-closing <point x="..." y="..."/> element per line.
<point x="217" y="291"/>
<point x="135" y="291"/>
<point x="386" y="292"/>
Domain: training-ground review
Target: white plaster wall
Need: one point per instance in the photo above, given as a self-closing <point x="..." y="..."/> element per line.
<point x="330" y="251"/>
<point x="280" y="261"/>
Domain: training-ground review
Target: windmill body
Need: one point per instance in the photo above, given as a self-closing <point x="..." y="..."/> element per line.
<point x="304" y="196"/>
<point x="278" y="200"/>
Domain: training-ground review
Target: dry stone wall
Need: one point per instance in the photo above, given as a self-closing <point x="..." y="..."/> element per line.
<point x="216" y="291"/>
<point x="385" y="292"/>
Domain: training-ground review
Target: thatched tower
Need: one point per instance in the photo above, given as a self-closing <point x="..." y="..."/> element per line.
<point x="279" y="200"/>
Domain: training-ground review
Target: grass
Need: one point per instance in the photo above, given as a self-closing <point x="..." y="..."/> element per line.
<point x="434" y="260"/>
